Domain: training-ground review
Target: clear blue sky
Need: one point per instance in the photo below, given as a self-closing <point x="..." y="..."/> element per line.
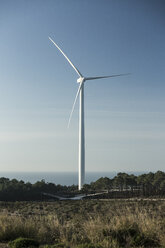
<point x="125" y="117"/>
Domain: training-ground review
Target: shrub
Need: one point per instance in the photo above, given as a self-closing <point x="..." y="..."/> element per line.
<point x="59" y="245"/>
<point x="87" y="245"/>
<point x="145" y="241"/>
<point x="23" y="243"/>
<point x="133" y="236"/>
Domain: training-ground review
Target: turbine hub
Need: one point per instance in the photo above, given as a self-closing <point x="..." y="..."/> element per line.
<point x="80" y="80"/>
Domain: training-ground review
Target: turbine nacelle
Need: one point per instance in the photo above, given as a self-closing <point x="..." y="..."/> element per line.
<point x="80" y="80"/>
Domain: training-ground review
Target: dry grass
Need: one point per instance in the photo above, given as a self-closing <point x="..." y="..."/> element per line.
<point x="105" y="223"/>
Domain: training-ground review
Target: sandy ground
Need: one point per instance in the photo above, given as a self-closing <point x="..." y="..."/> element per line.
<point x="3" y="245"/>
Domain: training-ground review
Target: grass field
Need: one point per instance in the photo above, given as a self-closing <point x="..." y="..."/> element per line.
<point x="85" y="223"/>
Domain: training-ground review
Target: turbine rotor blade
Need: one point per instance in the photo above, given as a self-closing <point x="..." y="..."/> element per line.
<point x="118" y="75"/>
<point x="74" y="67"/>
<point x="74" y="103"/>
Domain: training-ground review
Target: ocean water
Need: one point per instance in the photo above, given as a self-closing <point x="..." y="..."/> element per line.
<point x="63" y="178"/>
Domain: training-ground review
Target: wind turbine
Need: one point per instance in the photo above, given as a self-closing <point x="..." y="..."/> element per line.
<point x="81" y="80"/>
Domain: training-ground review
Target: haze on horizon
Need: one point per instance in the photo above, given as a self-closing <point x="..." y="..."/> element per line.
<point x="124" y="117"/>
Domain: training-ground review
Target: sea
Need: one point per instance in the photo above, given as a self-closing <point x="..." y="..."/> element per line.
<point x="63" y="178"/>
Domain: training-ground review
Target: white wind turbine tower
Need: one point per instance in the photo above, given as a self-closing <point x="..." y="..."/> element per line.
<point x="81" y="80"/>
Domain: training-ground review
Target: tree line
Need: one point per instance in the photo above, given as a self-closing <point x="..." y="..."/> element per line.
<point x="123" y="184"/>
<point x="149" y="184"/>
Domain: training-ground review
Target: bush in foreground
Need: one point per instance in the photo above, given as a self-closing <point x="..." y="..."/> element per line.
<point x="86" y="245"/>
<point x="59" y="245"/>
<point x="131" y="235"/>
<point x="23" y="243"/>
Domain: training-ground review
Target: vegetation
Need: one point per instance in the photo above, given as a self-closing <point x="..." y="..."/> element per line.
<point x="59" y="245"/>
<point x="121" y="186"/>
<point x="23" y="243"/>
<point x="85" y="224"/>
<point x="27" y="219"/>
<point x="151" y="183"/>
